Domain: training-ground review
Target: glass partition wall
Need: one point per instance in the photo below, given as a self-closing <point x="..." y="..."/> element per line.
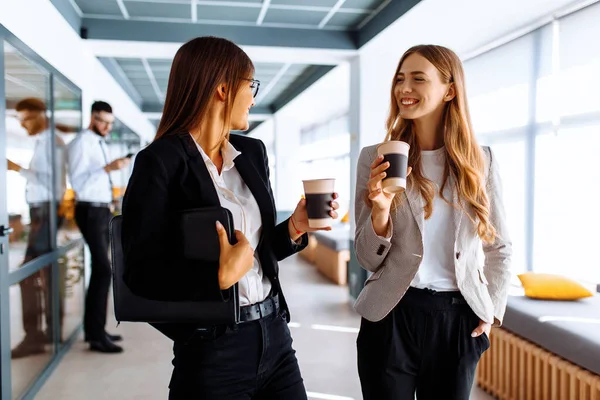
<point x="42" y="281"/>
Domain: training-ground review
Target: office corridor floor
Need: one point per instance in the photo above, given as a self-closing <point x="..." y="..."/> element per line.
<point x="324" y="328"/>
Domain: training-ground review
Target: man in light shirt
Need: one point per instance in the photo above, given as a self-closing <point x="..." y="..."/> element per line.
<point x="36" y="294"/>
<point x="89" y="169"/>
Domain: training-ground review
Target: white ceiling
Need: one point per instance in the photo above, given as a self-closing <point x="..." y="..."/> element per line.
<point x="467" y="27"/>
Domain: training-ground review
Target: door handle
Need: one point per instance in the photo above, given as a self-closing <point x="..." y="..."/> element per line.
<point x="5" y="231"/>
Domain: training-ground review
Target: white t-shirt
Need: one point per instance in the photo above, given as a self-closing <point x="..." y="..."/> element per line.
<point x="437" y="267"/>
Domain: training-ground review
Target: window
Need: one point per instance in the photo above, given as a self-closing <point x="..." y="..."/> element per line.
<point x="502" y="86"/>
<point x="500" y="82"/>
<point x="580" y="62"/>
<point x="567" y="186"/>
<point x="539" y="95"/>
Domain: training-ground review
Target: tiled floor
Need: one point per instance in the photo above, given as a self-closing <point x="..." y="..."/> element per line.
<point x="324" y="328"/>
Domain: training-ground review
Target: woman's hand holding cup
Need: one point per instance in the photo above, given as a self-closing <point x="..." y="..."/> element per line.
<point x="299" y="218"/>
<point x="380" y="200"/>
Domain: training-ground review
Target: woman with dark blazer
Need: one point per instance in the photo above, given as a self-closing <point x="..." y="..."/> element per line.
<point x="195" y="163"/>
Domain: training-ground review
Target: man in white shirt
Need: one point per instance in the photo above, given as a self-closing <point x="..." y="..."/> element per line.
<point x="89" y="170"/>
<point x="36" y="294"/>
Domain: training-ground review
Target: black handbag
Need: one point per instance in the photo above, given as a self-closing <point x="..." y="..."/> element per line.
<point x="200" y="242"/>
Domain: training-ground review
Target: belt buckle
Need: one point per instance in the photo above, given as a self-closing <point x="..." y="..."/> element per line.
<point x="260" y="311"/>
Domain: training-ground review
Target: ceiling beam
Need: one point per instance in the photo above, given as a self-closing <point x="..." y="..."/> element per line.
<point x="194" y="10"/>
<point x="123" y="9"/>
<point x="157" y="91"/>
<point x="253" y="125"/>
<point x="152" y="108"/>
<point x="70" y="12"/>
<point x="380" y="19"/>
<point x="262" y="54"/>
<point x="265" y="92"/>
<point x="331" y="13"/>
<point x="145" y="31"/>
<point x="299" y="86"/>
<point x="373" y="13"/>
<point x="263" y="12"/>
<point x="239" y="4"/>
<point x="117" y="72"/>
<point x="76" y="8"/>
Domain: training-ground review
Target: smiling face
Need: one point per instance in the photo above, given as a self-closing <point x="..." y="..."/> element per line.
<point x="244" y="101"/>
<point x="419" y="90"/>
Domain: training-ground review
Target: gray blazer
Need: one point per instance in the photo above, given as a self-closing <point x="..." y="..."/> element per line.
<point x="482" y="271"/>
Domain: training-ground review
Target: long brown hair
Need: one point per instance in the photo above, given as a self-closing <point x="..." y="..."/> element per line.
<point x="199" y="66"/>
<point x="464" y="158"/>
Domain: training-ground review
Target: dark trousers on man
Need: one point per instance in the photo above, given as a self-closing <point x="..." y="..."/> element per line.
<point x="93" y="223"/>
<point x="36" y="289"/>
<point x="256" y="361"/>
<point x="422" y="346"/>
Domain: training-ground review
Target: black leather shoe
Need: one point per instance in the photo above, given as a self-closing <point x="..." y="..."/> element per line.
<point x="105" y="346"/>
<point x="28" y="347"/>
<point x="114" y="338"/>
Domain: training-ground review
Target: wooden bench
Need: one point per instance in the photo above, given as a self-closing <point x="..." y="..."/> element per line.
<point x="329" y="251"/>
<point x="547" y="350"/>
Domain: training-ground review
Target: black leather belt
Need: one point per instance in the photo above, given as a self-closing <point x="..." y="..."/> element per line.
<point x="259" y="310"/>
<point x="92" y="204"/>
<point x="40" y="204"/>
<point x="455" y="295"/>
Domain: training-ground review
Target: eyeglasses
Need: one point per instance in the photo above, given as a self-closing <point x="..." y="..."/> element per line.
<point x="25" y="119"/>
<point x="254" y="85"/>
<point x="97" y="118"/>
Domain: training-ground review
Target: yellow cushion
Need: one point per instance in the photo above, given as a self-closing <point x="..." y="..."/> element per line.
<point x="346" y="218"/>
<point x="552" y="287"/>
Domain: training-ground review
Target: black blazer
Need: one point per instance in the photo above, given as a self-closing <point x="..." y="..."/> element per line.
<point x="170" y="176"/>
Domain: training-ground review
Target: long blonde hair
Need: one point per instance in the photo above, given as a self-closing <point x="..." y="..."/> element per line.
<point x="465" y="162"/>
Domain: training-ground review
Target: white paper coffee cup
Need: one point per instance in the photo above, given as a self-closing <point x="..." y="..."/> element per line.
<point x="319" y="194"/>
<point x="396" y="153"/>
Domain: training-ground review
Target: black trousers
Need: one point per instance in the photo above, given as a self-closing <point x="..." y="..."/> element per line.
<point x="255" y="360"/>
<point x="423" y="345"/>
<point x="36" y="293"/>
<point x="93" y="224"/>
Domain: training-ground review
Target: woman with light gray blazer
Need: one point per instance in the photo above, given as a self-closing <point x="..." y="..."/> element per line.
<point x="439" y="252"/>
